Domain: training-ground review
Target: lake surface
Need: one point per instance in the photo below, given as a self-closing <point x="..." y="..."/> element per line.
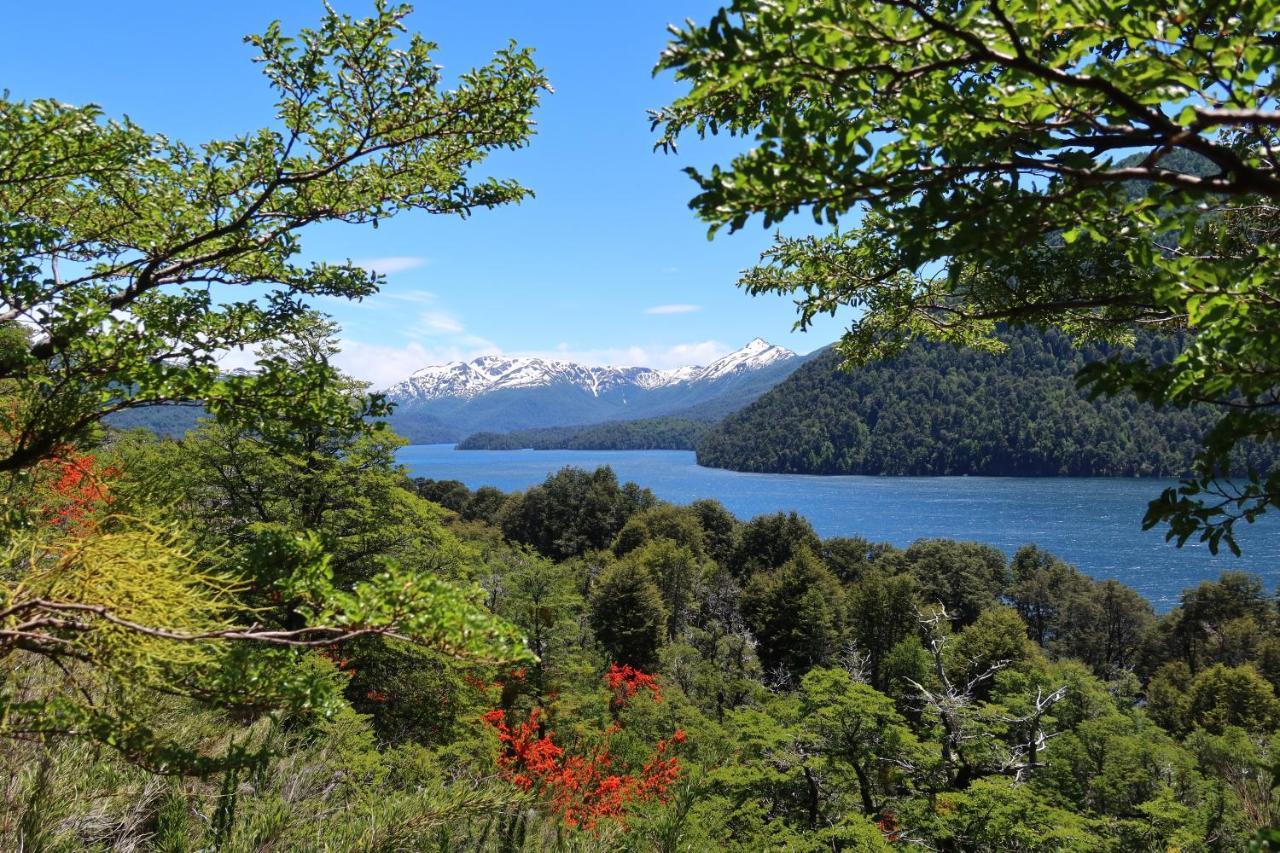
<point x="1093" y="523"/>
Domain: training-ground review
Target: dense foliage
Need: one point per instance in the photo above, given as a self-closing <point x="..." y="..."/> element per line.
<point x="705" y="682"/>
<point x="697" y="681"/>
<point x="936" y="409"/>
<point x="205" y="576"/>
<point x="1017" y="160"/>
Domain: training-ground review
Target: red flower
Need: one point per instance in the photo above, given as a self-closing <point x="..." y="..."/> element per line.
<point x="581" y="790"/>
<point x="78" y="493"/>
<point x="625" y="681"/>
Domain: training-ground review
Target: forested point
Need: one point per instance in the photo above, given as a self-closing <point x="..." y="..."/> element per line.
<point x="641" y="434"/>
<point x="936" y="409"/>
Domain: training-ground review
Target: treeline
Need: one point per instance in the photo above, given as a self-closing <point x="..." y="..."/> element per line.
<point x="667" y="433"/>
<point x="938" y="410"/>
<point x="858" y="693"/>
<point x="694" y="681"/>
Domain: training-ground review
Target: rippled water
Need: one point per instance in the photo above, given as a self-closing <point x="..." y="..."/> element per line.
<point x="1093" y="523"/>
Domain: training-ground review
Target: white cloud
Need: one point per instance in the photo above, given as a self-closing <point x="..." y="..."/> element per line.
<point x="673" y="309"/>
<point x="383" y="366"/>
<point x="238" y="359"/>
<point x="421" y="297"/>
<point x="660" y="357"/>
<point x="434" y="323"/>
<point x="392" y="264"/>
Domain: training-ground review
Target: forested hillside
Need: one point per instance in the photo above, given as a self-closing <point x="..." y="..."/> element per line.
<point x="692" y="681"/>
<point x="936" y="410"/>
<point x="672" y="433"/>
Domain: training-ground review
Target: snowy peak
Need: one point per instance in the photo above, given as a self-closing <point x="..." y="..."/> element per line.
<point x="468" y="379"/>
<point x="755" y="355"/>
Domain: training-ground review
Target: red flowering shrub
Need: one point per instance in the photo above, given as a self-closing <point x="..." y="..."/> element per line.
<point x="625" y="681"/>
<point x="888" y="825"/>
<point x="76" y="490"/>
<point x="580" y="790"/>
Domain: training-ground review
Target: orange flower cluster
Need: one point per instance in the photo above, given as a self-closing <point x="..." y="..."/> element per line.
<point x="625" y="681"/>
<point x="77" y="490"/>
<point x="584" y="790"/>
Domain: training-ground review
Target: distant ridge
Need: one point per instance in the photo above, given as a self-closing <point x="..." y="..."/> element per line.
<point x="490" y="373"/>
<point x="499" y="394"/>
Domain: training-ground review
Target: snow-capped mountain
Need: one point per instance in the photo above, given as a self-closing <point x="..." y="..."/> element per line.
<point x="468" y="379"/>
<point x="754" y="356"/>
<point x="446" y="402"/>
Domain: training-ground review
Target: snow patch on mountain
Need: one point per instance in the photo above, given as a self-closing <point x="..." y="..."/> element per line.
<point x="486" y="374"/>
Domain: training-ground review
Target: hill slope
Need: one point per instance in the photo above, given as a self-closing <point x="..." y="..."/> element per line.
<point x="938" y="410"/>
<point x="448" y="402"/>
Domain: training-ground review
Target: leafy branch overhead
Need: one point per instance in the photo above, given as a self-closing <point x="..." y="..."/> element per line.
<point x="1095" y="166"/>
<point x="121" y="251"/>
<point x="124" y="258"/>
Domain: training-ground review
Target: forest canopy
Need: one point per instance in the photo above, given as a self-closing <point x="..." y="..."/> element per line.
<point x="128" y="262"/>
<point x="936" y="410"/>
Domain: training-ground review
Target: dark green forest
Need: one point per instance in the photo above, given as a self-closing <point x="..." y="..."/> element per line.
<point x="671" y="433"/>
<point x="939" y="410"/>
<point x="954" y="696"/>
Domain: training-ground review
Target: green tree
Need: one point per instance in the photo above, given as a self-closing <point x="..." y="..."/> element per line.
<point x="1225" y="696"/>
<point x="627" y="614"/>
<point x="541" y="598"/>
<point x="147" y="241"/>
<point x="997" y="638"/>
<point x="882" y="614"/>
<point x="665" y="521"/>
<point x="964" y="577"/>
<point x="1043" y="592"/>
<point x="852" y="724"/>
<point x="678" y="573"/>
<point x="768" y="541"/>
<point x="719" y="529"/>
<point x="573" y="512"/>
<point x="797" y="612"/>
<point x="451" y="494"/>
<point x="299" y="471"/>
<point x="1102" y="623"/>
<point x="980" y="144"/>
<point x="124" y="259"/>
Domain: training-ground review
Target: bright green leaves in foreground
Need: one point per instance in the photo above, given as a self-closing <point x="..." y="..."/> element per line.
<point x="393" y="602"/>
<point x="128" y="614"/>
<point x="121" y="252"/>
<point x="1092" y="166"/>
<point x="213" y="572"/>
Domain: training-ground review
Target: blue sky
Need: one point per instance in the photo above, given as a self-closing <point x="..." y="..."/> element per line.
<point x="606" y="265"/>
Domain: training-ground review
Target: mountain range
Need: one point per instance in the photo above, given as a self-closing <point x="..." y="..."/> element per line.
<point x="499" y="394"/>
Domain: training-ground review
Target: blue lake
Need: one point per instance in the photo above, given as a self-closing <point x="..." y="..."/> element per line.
<point x="1093" y="523"/>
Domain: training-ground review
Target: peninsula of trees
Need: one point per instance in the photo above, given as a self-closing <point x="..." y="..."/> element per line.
<point x="938" y="410"/>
